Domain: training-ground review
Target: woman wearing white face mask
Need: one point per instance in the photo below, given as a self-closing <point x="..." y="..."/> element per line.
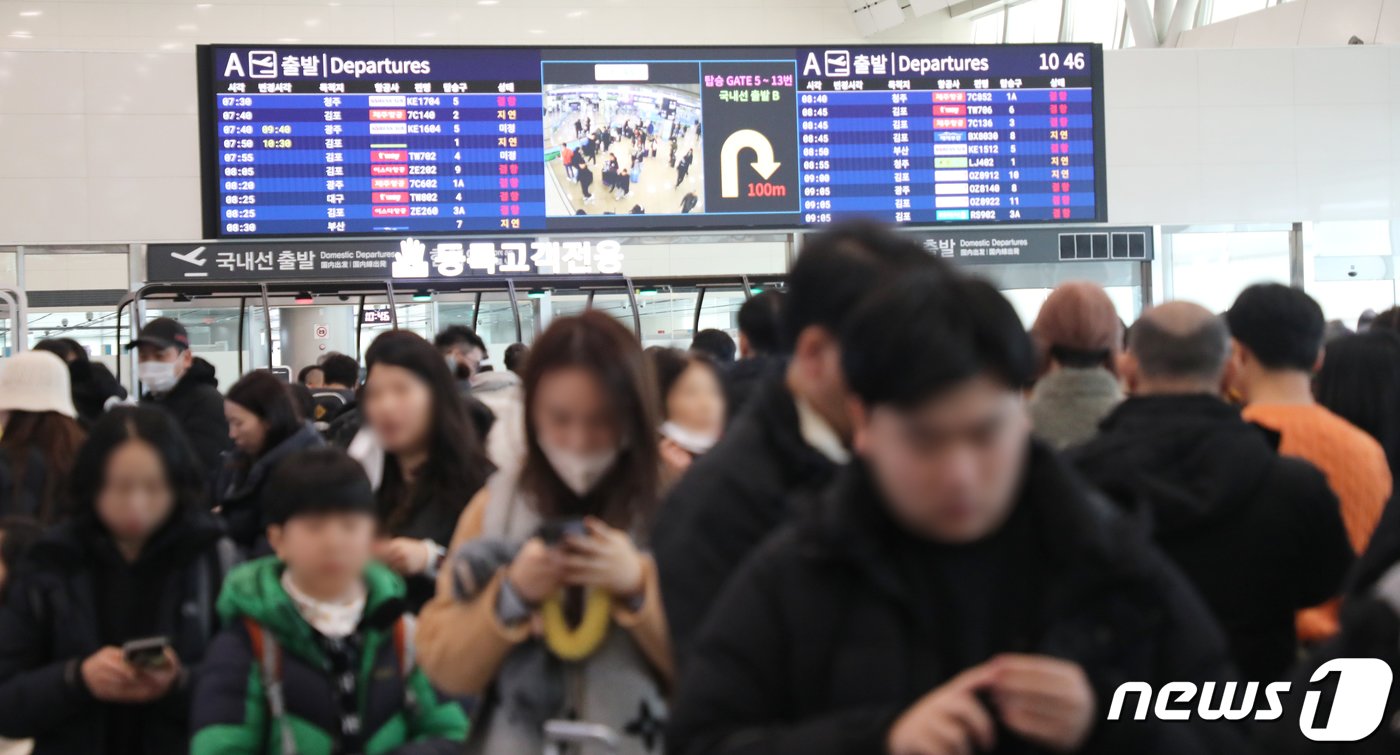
<point x="692" y="405"/>
<point x="548" y="605"/>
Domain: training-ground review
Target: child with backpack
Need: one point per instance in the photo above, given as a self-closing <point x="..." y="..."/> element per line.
<point x="317" y="652"/>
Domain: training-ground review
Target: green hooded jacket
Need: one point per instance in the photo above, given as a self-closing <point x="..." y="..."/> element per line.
<point x="230" y="713"/>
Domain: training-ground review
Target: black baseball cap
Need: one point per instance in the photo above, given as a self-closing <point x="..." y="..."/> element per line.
<point x="162" y="333"/>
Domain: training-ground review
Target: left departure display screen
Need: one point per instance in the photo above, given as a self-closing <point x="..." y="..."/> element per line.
<point x="362" y="141"/>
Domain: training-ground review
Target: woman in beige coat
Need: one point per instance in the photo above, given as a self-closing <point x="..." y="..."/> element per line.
<point x="549" y="607"/>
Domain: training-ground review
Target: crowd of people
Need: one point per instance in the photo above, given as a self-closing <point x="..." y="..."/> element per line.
<point x="889" y="519"/>
<point x="637" y="140"/>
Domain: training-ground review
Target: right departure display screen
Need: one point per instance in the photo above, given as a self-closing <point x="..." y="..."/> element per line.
<point x="965" y="135"/>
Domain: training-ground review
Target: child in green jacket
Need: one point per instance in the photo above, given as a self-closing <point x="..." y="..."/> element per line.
<point x="317" y="654"/>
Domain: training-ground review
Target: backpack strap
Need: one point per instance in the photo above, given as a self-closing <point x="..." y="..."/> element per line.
<point x="269" y="655"/>
<point x="404" y="630"/>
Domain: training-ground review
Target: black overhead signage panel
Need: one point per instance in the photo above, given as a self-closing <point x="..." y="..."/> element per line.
<point x="1003" y="246"/>
<point x="355" y="141"/>
<point x="428" y="259"/>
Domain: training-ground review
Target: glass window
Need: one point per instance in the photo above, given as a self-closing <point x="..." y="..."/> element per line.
<point x="496" y="323"/>
<point x="1027" y="286"/>
<point x="987" y="30"/>
<point x="1347" y="267"/>
<point x="1211" y="268"/>
<point x="668" y="317"/>
<point x="1095" y="21"/>
<point x="1034" y="21"/>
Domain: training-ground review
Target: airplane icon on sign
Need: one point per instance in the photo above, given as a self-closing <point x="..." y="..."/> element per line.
<point x="194" y="256"/>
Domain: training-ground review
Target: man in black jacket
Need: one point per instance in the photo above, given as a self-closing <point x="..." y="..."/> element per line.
<point x="957" y="589"/>
<point x="1260" y="535"/>
<point x="183" y="386"/>
<point x="790" y="438"/>
<point x="760" y="349"/>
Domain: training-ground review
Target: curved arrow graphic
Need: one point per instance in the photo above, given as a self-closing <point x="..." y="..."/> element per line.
<point x="729" y="159"/>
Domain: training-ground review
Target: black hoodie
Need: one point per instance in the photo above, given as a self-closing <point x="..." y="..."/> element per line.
<point x="198" y="408"/>
<point x="1260" y="535"/>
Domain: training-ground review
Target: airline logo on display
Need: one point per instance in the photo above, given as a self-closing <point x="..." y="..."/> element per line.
<point x="1358" y="703"/>
<point x="403" y="259"/>
<point x="838" y="63"/>
<point x="262" y="64"/>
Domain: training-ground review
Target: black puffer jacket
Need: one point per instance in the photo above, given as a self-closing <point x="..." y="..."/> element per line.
<point x="1370" y="629"/>
<point x="238" y="492"/>
<point x="76" y="595"/>
<point x="824" y="636"/>
<point x="1260" y="535"/>
<point x="198" y="408"/>
<point x="727" y="503"/>
<point x="745" y="379"/>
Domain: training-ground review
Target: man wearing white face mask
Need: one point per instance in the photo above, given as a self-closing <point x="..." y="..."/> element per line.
<point x="183" y="386"/>
<point x="790" y="438"/>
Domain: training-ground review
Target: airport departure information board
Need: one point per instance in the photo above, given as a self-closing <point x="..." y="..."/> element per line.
<point x="356" y="141"/>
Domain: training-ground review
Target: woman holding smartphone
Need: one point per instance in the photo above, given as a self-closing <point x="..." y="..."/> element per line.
<point x="103" y="627"/>
<point x="422" y="455"/>
<point x="549" y="606"/>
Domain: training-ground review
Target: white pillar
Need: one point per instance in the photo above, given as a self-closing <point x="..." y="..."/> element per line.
<point x="1140" y="19"/>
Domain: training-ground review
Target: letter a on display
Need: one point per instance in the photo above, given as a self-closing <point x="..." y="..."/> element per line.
<point x="811" y="66"/>
<point x="234" y="66"/>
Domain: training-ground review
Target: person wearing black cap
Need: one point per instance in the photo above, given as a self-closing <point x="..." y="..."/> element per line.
<point x="183" y="386"/>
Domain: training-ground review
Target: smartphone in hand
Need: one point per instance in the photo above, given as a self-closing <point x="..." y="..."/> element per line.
<point x="555" y="531"/>
<point x="147" y="654"/>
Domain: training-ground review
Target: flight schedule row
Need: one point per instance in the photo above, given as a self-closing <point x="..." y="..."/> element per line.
<point x="346" y="163"/>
